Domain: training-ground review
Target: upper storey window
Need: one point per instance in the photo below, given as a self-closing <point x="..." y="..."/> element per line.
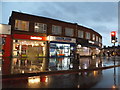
<point x="56" y="30"/>
<point x="97" y="38"/>
<point x="69" y="32"/>
<point x="87" y="35"/>
<point x="93" y="37"/>
<point x="80" y="34"/>
<point x="21" y="25"/>
<point x="40" y="27"/>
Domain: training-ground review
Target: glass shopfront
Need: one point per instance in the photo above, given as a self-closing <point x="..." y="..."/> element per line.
<point x="59" y="49"/>
<point x="26" y="48"/>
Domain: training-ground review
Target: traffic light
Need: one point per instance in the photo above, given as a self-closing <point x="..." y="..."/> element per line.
<point x="113" y="36"/>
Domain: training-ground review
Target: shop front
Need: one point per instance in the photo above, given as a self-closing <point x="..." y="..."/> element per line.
<point x="29" y="46"/>
<point x="83" y="47"/>
<point x="61" y="46"/>
<point x="87" y="48"/>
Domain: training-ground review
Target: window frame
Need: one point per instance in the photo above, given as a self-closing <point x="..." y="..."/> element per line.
<point x="71" y="32"/>
<point x="87" y="35"/>
<point x="57" y="31"/>
<point x="21" y="25"/>
<point x="42" y="27"/>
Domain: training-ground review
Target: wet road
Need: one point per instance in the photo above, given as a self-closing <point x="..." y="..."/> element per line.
<point x="106" y="78"/>
<point x="95" y="79"/>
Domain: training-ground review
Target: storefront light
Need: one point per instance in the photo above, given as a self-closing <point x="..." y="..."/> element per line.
<point x="36" y="27"/>
<point x="79" y="46"/>
<point x="36" y="44"/>
<point x="42" y="44"/>
<point x="30" y="69"/>
<point x="85" y="48"/>
<point x="0" y="68"/>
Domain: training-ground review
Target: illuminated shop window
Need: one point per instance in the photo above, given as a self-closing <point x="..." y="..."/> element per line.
<point x="80" y="34"/>
<point x="87" y="35"/>
<point x="25" y="48"/>
<point x="56" y="30"/>
<point x="69" y="32"/>
<point x="93" y="37"/>
<point x="22" y="25"/>
<point x="40" y="27"/>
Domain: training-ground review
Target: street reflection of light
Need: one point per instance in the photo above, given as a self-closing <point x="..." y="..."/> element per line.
<point x="85" y="73"/>
<point x="95" y="73"/>
<point x="34" y="79"/>
<point x="78" y="86"/>
<point x="79" y="73"/>
<point x="46" y="80"/>
<point x="114" y="86"/>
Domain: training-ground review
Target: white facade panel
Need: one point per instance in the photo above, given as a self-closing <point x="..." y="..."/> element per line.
<point x="5" y="29"/>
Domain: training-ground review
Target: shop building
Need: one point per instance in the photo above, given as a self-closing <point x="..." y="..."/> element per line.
<point x="48" y="37"/>
<point x="89" y="42"/>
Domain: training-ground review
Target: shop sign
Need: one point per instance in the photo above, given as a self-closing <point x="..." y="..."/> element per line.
<point x="22" y="36"/>
<point x="36" y="38"/>
<point x="63" y="39"/>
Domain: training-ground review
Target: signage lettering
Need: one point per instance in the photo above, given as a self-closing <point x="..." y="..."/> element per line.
<point x="38" y="38"/>
<point x="63" y="38"/>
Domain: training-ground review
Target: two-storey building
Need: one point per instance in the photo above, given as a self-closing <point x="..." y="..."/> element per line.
<point x="45" y="37"/>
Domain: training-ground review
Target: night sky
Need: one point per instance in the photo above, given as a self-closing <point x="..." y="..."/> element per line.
<point x="99" y="16"/>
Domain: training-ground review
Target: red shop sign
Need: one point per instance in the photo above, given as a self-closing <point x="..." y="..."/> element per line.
<point x="22" y="36"/>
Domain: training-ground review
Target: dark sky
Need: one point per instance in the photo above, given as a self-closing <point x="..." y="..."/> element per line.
<point x="100" y="16"/>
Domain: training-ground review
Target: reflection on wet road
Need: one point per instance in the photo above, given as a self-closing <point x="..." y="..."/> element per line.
<point x="108" y="78"/>
<point x="24" y="65"/>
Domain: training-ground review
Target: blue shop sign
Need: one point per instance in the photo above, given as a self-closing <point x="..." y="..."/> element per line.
<point x="63" y="38"/>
